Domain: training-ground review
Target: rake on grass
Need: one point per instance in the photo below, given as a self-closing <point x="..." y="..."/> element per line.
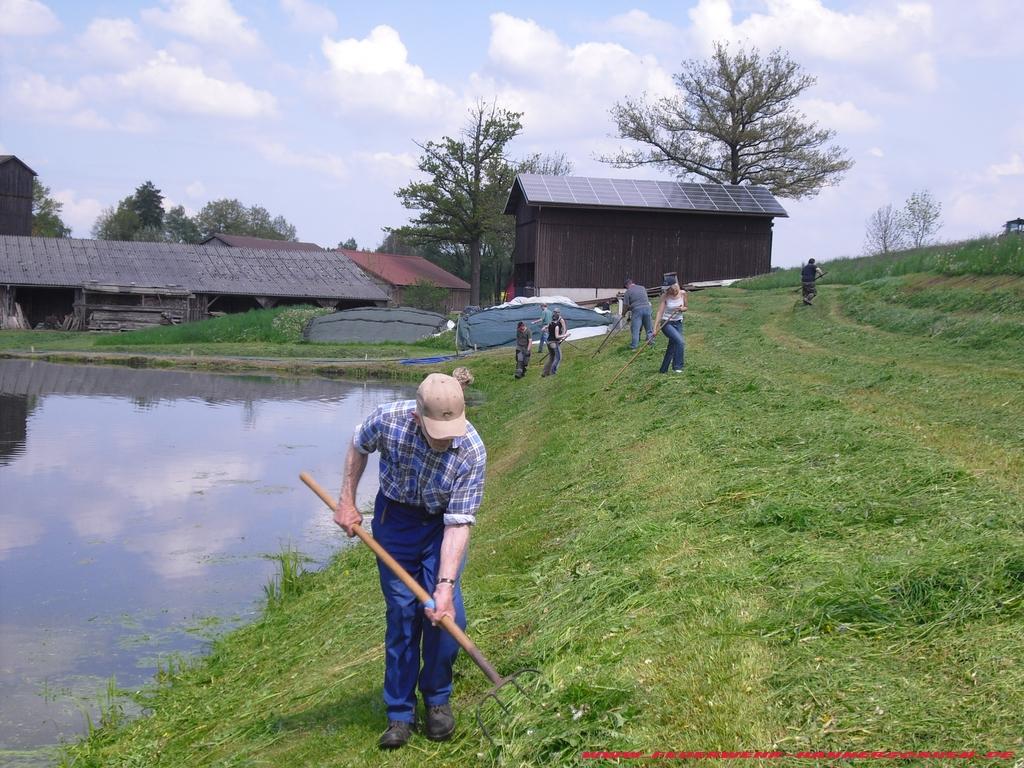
<point x="447" y="622"/>
<point x="618" y="326"/>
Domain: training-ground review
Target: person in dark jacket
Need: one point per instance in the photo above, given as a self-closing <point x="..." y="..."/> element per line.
<point x="808" y="274"/>
<point x="524" y="346"/>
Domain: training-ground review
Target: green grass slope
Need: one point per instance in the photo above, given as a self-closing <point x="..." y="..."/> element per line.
<point x="812" y="539"/>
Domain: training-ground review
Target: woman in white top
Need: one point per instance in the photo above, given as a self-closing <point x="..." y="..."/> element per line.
<point x="673" y="304"/>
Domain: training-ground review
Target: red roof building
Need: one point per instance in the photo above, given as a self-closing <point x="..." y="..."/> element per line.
<point x="395" y="272"/>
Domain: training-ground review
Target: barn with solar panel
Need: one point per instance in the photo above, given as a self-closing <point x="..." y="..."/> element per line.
<point x="581" y="237"/>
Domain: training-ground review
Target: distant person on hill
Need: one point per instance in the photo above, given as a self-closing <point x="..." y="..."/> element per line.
<point x="464" y="376"/>
<point x="557" y="331"/>
<point x="432" y="464"/>
<point x="808" y="275"/>
<point x="638" y="306"/>
<point x="524" y="346"/>
<point x="544" y="320"/>
<point x="671" y="308"/>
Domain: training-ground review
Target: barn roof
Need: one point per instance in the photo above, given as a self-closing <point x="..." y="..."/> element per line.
<point x="401" y="270"/>
<point x="66" y="262"/>
<point x="6" y="158"/>
<point x="245" y="241"/>
<point x="626" y="194"/>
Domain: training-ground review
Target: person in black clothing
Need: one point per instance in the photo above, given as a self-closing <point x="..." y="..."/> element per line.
<point x="524" y="346"/>
<point x="808" y="275"/>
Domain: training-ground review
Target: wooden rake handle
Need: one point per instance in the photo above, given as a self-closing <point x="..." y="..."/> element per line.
<point x="447" y="622"/>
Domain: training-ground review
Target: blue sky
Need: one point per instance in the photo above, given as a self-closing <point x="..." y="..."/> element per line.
<point x="311" y="108"/>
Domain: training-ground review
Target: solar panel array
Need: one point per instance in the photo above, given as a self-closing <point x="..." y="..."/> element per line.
<point x="661" y="195"/>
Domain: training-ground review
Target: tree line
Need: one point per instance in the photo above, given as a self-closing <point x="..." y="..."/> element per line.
<point x="731" y="120"/>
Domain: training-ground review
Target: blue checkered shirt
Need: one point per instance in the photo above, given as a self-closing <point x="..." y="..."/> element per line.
<point x="449" y="482"/>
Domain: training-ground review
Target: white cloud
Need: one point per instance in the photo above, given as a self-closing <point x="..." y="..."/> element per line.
<point x="842" y="116"/>
<point x="79" y="213"/>
<point x="320" y="162"/>
<point x="1014" y="167"/>
<point x="642" y="26"/>
<point x="310" y="17"/>
<point x="896" y="36"/>
<point x="195" y="189"/>
<point x="39" y="95"/>
<point x="170" y="86"/>
<point x="375" y="73"/>
<point x="876" y="152"/>
<point x="113" y="41"/>
<point x="403" y="161"/>
<point x="563" y="90"/>
<point x="211" y="22"/>
<point x="26" y="18"/>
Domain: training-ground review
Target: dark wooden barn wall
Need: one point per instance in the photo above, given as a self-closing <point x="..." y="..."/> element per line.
<point x="15" y="199"/>
<point x="575" y="248"/>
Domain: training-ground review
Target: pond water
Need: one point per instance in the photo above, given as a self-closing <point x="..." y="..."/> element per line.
<point x="137" y="512"/>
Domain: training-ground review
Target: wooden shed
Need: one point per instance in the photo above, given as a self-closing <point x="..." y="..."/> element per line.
<point x="582" y="237"/>
<point x="115" y="285"/>
<point x="15" y="196"/>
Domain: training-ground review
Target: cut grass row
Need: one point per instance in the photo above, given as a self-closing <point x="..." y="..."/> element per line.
<point x="811" y="540"/>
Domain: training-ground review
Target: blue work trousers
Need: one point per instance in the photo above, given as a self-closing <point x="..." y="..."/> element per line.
<point x="640" y="316"/>
<point x="414" y="539"/>
<point x="676" y="346"/>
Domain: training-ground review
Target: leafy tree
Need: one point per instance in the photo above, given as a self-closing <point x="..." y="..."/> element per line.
<point x="733" y="121"/>
<point x="231" y="217"/>
<point x="120" y="223"/>
<point x="921" y="214"/>
<point x="179" y="227"/>
<point x="548" y="165"/>
<point x="148" y="203"/>
<point x="468" y="179"/>
<point x="349" y="244"/>
<point x="46" y="221"/>
<point x="225" y="216"/>
<point x="885" y="231"/>
<point x="424" y="294"/>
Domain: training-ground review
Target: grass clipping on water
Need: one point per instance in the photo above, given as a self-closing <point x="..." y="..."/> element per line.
<point x="805" y="542"/>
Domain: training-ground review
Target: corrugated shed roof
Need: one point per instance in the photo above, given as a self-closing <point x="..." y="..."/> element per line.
<point x="642" y="194"/>
<point x="404" y="270"/>
<point x="244" y="241"/>
<point x="66" y="262"/>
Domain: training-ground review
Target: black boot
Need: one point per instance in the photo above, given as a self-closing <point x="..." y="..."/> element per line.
<point x="396" y="735"/>
<point x="440" y="723"/>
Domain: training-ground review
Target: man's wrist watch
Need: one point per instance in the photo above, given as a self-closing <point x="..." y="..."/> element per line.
<point x="444" y="580"/>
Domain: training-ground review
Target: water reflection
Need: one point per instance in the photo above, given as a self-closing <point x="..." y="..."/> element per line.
<point x="135" y="504"/>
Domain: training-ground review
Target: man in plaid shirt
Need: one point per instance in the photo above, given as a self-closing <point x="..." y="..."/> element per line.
<point x="431" y="484"/>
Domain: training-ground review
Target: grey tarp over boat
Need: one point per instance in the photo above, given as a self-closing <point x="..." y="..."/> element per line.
<point x="369" y="324"/>
<point x="496" y="327"/>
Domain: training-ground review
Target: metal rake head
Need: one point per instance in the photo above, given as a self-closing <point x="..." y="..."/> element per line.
<point x="512" y="680"/>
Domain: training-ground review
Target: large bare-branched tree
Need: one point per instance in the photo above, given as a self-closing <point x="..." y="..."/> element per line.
<point x="733" y="121"/>
<point x="461" y="201"/>
<point x="885" y="231"/>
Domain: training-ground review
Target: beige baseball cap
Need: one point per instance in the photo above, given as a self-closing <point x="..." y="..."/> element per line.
<point x="441" y="407"/>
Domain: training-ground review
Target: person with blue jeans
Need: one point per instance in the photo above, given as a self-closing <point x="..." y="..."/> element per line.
<point x="557" y="330"/>
<point x="431" y="477"/>
<point x="672" y="307"/>
<point x="636" y="303"/>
